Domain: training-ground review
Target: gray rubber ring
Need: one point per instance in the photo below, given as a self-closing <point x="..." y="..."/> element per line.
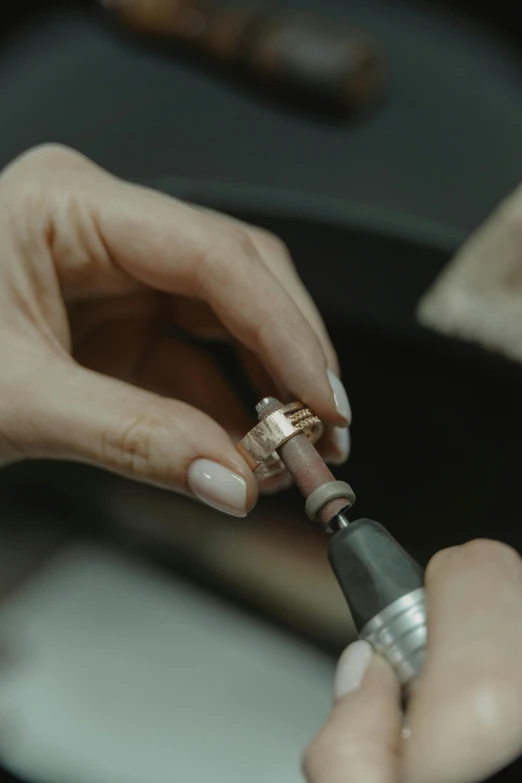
<point x="323" y="495"/>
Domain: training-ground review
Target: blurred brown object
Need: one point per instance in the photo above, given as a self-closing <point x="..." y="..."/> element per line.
<point x="299" y="54"/>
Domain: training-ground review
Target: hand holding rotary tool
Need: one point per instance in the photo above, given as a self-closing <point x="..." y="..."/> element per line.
<point x="463" y="713"/>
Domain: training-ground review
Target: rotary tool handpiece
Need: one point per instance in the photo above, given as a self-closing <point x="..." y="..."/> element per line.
<point x="384" y="589"/>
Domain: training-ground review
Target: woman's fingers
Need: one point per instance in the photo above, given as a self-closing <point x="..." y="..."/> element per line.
<point x="464" y="720"/>
<point x="276" y="257"/>
<point x="197" y="319"/>
<point x="335" y="446"/>
<point x="466" y="714"/>
<point x="175" y="248"/>
<point x="109" y="237"/>
<point x="134" y="351"/>
<point x="95" y="239"/>
<point x="176" y="370"/>
<point x="81" y="415"/>
<point x="361" y="740"/>
<point x="138" y="352"/>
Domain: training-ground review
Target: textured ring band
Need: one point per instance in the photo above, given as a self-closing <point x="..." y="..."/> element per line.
<point x="259" y="447"/>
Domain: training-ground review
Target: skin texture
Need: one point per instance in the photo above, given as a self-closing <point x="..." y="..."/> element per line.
<point x="464" y="721"/>
<point x="93" y="272"/>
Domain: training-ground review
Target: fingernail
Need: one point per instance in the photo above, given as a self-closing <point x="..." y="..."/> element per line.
<point x="341" y="398"/>
<point x="342" y="442"/>
<point x="351" y="668"/>
<point x="218" y="487"/>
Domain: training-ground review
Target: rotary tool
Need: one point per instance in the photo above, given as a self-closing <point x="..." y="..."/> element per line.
<point x="383" y="585"/>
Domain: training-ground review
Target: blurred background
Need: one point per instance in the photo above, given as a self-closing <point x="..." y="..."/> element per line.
<point x="143" y="637"/>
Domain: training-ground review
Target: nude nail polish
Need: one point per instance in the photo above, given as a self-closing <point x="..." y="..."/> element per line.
<point x="217" y="486"/>
<point x="342" y="402"/>
<point x="351" y="668"/>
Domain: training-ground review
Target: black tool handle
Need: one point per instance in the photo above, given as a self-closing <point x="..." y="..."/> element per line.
<point x="372" y="569"/>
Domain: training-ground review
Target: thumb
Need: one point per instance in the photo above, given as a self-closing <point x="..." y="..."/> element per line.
<point x="89" y="417"/>
<point x="361" y="739"/>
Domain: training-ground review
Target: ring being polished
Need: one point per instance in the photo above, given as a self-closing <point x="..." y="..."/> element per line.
<point x="259" y="447"/>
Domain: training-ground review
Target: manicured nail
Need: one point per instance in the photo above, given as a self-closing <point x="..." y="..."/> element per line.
<point x="342" y="441"/>
<point x="341" y="398"/>
<point x="218" y="486"/>
<point x="351" y="668"/>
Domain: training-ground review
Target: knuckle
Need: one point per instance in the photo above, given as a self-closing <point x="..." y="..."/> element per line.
<point x="131" y="446"/>
<point x="475" y="554"/>
<point x="242" y="243"/>
<point x="41" y="160"/>
<point x="32" y="177"/>
<point x="49" y="157"/>
<point x="270" y="243"/>
<point x="220" y="262"/>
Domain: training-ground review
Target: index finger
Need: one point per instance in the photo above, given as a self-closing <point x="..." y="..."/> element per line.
<point x="277" y="258"/>
<point x="466" y="712"/>
<point x="175" y="248"/>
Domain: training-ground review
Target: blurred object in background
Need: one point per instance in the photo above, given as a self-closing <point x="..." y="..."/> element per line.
<point x="478" y="296"/>
<point x="118" y="673"/>
<point x="454" y="110"/>
<point x="274" y="565"/>
<point x="298" y="56"/>
<point x="276" y="561"/>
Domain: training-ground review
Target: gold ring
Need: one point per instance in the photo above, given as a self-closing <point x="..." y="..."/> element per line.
<point x="259" y="447"/>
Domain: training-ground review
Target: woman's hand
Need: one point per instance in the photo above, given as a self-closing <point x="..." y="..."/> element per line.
<point x="464" y="720"/>
<point x="93" y="271"/>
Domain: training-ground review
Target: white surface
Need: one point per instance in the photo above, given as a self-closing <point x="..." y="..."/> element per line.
<point x="123" y="676"/>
